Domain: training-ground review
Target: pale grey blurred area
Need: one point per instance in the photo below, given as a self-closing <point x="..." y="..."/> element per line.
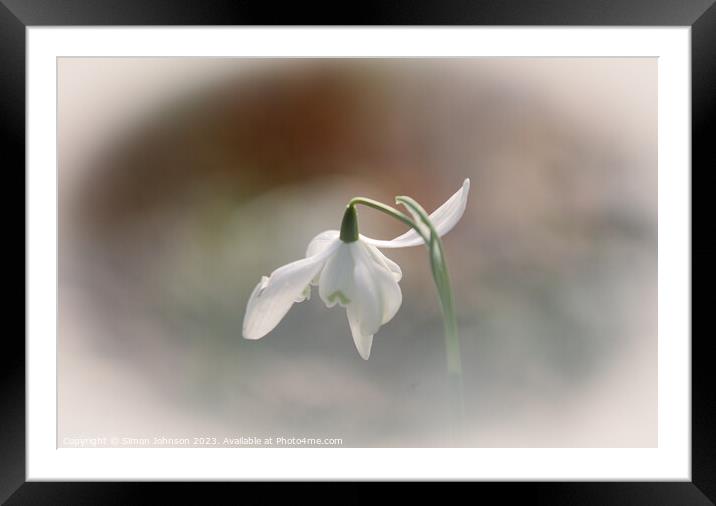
<point x="182" y="181"/>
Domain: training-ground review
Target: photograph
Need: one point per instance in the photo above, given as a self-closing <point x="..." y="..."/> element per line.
<point x="357" y="252"/>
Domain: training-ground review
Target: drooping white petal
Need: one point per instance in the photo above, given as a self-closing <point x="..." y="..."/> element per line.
<point x="384" y="278"/>
<point x="363" y="342"/>
<point x="318" y="244"/>
<point x="321" y="242"/>
<point x="376" y="297"/>
<point x="366" y="303"/>
<point x="365" y="311"/>
<point x="381" y="259"/>
<point x="444" y="218"/>
<point x="274" y="295"/>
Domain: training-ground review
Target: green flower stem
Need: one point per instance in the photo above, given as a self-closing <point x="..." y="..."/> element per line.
<point x="442" y="282"/>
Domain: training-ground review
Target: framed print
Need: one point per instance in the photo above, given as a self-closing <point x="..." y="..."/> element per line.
<point x="442" y="245"/>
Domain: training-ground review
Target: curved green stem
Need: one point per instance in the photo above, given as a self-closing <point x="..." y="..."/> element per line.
<point x="379" y="206"/>
<point x="442" y="282"/>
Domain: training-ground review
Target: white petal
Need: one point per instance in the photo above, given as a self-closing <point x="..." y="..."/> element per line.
<point x="383" y="260"/>
<point x="321" y="242"/>
<point x="335" y="285"/>
<point x="375" y="296"/>
<point x="360" y="278"/>
<point x="274" y="295"/>
<point x="365" y="311"/>
<point x="384" y="280"/>
<point x="444" y="218"/>
<point x="304" y="295"/>
<point x="363" y="342"/>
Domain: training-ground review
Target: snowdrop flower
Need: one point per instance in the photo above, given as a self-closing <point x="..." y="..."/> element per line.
<point x="350" y="271"/>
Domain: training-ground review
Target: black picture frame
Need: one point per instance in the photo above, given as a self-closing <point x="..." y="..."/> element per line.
<point x="17" y="15"/>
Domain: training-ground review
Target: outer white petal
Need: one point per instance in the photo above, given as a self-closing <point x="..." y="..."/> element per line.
<point x="444" y="218"/>
<point x="366" y="304"/>
<point x="365" y="311"/>
<point x="363" y="342"/>
<point x="274" y="295"/>
<point x="376" y="296"/>
<point x="383" y="260"/>
<point x="321" y="242"/>
<point x="317" y="245"/>
<point x="384" y="279"/>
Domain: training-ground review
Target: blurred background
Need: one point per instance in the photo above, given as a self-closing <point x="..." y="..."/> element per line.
<point x="183" y="180"/>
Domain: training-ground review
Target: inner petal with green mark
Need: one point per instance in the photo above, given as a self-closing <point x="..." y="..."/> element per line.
<point x="304" y="295"/>
<point x="342" y="299"/>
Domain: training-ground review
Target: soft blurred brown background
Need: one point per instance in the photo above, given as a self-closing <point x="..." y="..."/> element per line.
<point x="182" y="181"/>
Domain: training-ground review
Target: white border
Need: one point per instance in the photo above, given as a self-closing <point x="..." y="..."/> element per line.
<point x="671" y="460"/>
